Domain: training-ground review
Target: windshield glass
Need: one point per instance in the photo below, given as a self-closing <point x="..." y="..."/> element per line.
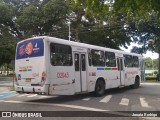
<point x="30" y="48"/>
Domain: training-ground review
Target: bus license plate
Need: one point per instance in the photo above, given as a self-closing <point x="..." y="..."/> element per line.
<point x="28" y="80"/>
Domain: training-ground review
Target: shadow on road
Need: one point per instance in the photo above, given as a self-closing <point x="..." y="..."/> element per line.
<point x="68" y="98"/>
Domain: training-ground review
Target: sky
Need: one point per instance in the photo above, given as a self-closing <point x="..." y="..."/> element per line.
<point x="148" y="53"/>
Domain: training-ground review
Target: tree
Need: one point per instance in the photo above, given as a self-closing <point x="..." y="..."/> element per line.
<point x="86" y="18"/>
<point x="155" y="64"/>
<point x="148" y="63"/>
<point x="111" y="38"/>
<point x="54" y="18"/>
<point x="29" y="21"/>
<point x="42" y="19"/>
<point x="141" y="20"/>
<point x="7" y="47"/>
<point x="7" y="33"/>
<point x="89" y="24"/>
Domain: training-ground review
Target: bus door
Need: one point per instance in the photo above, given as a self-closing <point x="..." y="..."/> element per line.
<point x="121" y="71"/>
<point x="80" y="72"/>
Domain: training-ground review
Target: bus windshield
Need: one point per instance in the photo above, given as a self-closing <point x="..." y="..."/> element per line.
<point x="30" y="48"/>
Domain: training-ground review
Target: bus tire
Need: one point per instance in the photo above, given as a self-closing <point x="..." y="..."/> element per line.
<point x="99" y="88"/>
<point x="136" y="83"/>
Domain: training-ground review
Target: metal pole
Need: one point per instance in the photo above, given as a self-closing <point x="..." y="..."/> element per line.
<point x="13" y="81"/>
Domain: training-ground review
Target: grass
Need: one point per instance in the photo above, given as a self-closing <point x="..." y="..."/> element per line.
<point x="11" y="89"/>
<point x="152" y="81"/>
<point x="6" y="77"/>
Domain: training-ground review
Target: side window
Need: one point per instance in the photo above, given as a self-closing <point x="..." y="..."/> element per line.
<point x="135" y="61"/>
<point x="110" y="59"/>
<point x="97" y="57"/>
<point x="128" y="61"/>
<point x="76" y="61"/>
<point x="60" y="55"/>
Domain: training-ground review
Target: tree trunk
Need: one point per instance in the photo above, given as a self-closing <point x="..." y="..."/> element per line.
<point x="7" y="70"/>
<point x="1" y="70"/>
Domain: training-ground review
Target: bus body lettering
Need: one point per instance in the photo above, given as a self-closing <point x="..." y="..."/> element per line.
<point x="62" y="75"/>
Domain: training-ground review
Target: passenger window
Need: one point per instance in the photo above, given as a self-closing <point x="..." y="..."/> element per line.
<point x="135" y="61"/>
<point x="128" y="61"/>
<point x="110" y="59"/>
<point x="60" y="55"/>
<point x="97" y="57"/>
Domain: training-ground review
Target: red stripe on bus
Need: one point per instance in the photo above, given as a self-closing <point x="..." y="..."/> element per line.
<point x="114" y="68"/>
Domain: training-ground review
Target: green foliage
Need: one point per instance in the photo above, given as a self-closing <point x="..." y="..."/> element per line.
<point x="7" y="32"/>
<point x="105" y="38"/>
<point x="148" y="64"/>
<point x="6" y="13"/>
<point x="142" y="20"/>
<point x="155" y="72"/>
<point x="151" y="78"/>
<point x="29" y="20"/>
<point x="51" y="18"/>
<point x="54" y="15"/>
<point x="7" y="48"/>
<point x="91" y="21"/>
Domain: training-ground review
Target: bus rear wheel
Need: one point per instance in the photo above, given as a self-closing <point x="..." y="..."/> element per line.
<point x="99" y="88"/>
<point x="136" y="83"/>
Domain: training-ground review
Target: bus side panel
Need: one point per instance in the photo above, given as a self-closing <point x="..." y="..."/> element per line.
<point x="94" y="74"/>
<point x="114" y="76"/>
<point x="110" y="75"/>
<point x="130" y="75"/>
<point x="91" y="78"/>
<point x="60" y="78"/>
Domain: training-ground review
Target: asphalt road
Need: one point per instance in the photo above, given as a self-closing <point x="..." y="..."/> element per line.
<point x="115" y="101"/>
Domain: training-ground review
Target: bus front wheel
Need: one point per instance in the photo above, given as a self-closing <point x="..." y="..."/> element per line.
<point x="99" y="88"/>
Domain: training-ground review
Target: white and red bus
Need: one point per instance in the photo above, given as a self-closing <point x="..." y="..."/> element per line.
<point x="60" y="67"/>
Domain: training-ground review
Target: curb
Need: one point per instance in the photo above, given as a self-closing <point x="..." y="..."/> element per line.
<point x="6" y="89"/>
<point x="6" y="85"/>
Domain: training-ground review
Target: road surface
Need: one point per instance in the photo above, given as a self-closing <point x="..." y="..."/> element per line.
<point x="114" y="102"/>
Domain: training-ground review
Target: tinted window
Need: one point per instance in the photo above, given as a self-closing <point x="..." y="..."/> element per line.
<point x="97" y="57"/>
<point x="61" y="55"/>
<point x="110" y="59"/>
<point x="30" y="48"/>
<point x="128" y="60"/>
<point x="135" y="61"/>
<point x="76" y="61"/>
<point x="83" y="60"/>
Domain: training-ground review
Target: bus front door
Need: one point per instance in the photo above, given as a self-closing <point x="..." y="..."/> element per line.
<point x="121" y="71"/>
<point x="80" y="72"/>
